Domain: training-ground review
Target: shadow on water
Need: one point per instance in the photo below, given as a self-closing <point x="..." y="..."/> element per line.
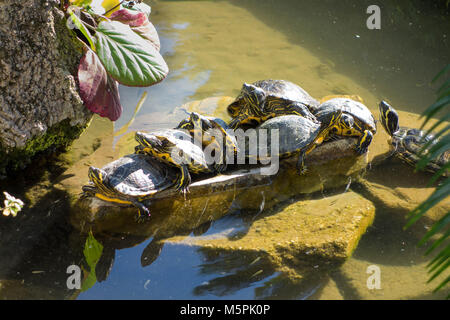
<point x="35" y="259"/>
<point x="396" y="62"/>
<point x="242" y="270"/>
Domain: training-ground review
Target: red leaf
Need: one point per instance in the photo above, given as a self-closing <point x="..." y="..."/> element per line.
<point x="149" y="33"/>
<point x="139" y="23"/>
<point x="99" y="92"/>
<point x="129" y="17"/>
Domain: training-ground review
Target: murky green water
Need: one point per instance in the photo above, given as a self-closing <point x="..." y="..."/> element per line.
<point x="212" y="47"/>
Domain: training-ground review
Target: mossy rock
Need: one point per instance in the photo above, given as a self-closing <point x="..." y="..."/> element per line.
<point x="298" y="237"/>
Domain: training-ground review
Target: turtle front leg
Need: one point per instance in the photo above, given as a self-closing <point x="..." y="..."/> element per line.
<point x="220" y="167"/>
<point x="184" y="181"/>
<point x="300" y="110"/>
<point x="236" y="122"/>
<point x="362" y="146"/>
<point x="143" y="213"/>
<point x="301" y="163"/>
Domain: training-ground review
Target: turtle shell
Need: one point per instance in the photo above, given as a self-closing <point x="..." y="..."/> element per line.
<point x="138" y="175"/>
<point x="294" y="133"/>
<point x="408" y="142"/>
<point x="185" y="148"/>
<point x="354" y="108"/>
<point x="276" y="88"/>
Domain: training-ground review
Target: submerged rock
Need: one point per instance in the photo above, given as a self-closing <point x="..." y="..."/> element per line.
<point x="39" y="103"/>
<point x="296" y="238"/>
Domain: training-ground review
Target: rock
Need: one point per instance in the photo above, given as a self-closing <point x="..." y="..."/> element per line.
<point x="39" y="103"/>
<point x="332" y="165"/>
<point x="396" y="190"/>
<point x="296" y="238"/>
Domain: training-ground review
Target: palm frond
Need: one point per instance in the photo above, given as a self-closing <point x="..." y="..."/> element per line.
<point x="432" y="150"/>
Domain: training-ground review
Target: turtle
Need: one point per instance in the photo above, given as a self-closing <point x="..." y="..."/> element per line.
<point x="207" y="129"/>
<point x="356" y="121"/>
<point x="265" y="99"/>
<point x="175" y="147"/>
<point x="297" y="135"/>
<point x="406" y="142"/>
<point x="130" y="180"/>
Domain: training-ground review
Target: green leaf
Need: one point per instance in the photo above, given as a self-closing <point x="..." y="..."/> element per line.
<point x="81" y="3"/>
<point x="127" y="57"/>
<point x="441" y="73"/>
<point x="80" y="26"/>
<point x="89" y="282"/>
<point x="435" y="108"/>
<point x="92" y="250"/>
<point x="438" y="242"/>
<point x="92" y="253"/>
<point x="436" y="228"/>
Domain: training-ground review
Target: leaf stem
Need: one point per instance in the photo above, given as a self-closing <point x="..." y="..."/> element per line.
<point x="115" y="7"/>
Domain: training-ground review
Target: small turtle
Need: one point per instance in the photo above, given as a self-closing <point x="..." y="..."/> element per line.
<point x="207" y="130"/>
<point x="175" y="147"/>
<point x="130" y="180"/>
<point x="297" y="135"/>
<point x="265" y="99"/>
<point x="408" y="142"/>
<point x="356" y="121"/>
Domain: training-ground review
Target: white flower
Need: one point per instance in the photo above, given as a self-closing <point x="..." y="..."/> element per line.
<point x="12" y="205"/>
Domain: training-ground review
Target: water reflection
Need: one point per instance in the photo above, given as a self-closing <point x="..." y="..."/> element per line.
<point x="180" y="85"/>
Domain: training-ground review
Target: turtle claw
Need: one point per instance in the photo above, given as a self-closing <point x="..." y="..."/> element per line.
<point x="220" y="167"/>
<point x="142" y="216"/>
<point x="301" y="164"/>
<point x="302" y="171"/>
<point x="360" y="151"/>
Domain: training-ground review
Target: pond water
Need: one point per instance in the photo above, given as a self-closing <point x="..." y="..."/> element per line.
<point x="212" y="47"/>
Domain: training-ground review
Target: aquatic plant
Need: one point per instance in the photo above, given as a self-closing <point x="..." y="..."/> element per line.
<point x="432" y="150"/>
<point x="120" y="45"/>
<point x="92" y="253"/>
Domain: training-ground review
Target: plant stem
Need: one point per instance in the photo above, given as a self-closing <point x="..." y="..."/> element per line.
<point x="114" y="7"/>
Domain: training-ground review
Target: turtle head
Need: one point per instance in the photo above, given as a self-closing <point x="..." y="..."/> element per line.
<point x="148" y="141"/>
<point x="200" y="121"/>
<point x="347" y="122"/>
<point x="195" y="121"/>
<point x="185" y="124"/>
<point x="329" y="120"/>
<point x="252" y="94"/>
<point x="97" y="176"/>
<point x="388" y="118"/>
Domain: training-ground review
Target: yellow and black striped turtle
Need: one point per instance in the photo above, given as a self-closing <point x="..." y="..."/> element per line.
<point x="356" y="121"/>
<point x="408" y="142"/>
<point x="176" y="148"/>
<point x="296" y="136"/>
<point x="265" y="99"/>
<point x="130" y="180"/>
<point x="207" y="130"/>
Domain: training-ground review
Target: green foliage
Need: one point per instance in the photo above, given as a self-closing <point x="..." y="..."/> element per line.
<point x="127" y="46"/>
<point x="430" y="151"/>
<point x="128" y="57"/>
<point x="92" y="253"/>
<point x="80" y="26"/>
